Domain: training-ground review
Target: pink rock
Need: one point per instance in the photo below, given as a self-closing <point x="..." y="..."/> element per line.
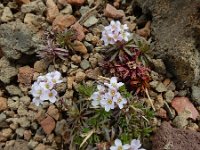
<point x="80" y="35"/>
<point x="112" y="12"/>
<point x="181" y="104"/>
<point x="53" y="112"/>
<point x="3" y="103"/>
<point x="23" y="1"/>
<point x="76" y="2"/>
<point x="63" y="21"/>
<point x="52" y="10"/>
<point x="25" y="75"/>
<point x="48" y="124"/>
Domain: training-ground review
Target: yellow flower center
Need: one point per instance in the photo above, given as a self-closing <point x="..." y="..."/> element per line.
<point x="39" y="92"/>
<point x="50" y="94"/>
<point x="109" y="101"/>
<point x="120" y="148"/>
<point x="119" y="100"/>
<point x="47" y="86"/>
<point x="112" y="92"/>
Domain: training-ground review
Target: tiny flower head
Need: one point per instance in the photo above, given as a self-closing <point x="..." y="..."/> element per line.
<point x="96" y="97"/>
<point x="49" y="95"/>
<point x="118" y="145"/>
<point x="54" y="77"/>
<point x="119" y="100"/>
<point x="101" y="89"/>
<point x="37" y="101"/>
<point x="36" y="90"/>
<point x="112" y="91"/>
<point x="115" y="26"/>
<point x="135" y="145"/>
<point x="107" y="102"/>
<point x="41" y="79"/>
<point x="114" y="83"/>
<point x="46" y="85"/>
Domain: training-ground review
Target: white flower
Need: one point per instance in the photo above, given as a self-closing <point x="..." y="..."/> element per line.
<point x="115" y="32"/>
<point x="119" y="100"/>
<point x="118" y="145"/>
<point x="115" y="26"/>
<point x="114" y="83"/>
<point x="36" y="90"/>
<point x="46" y="85"/>
<point x="37" y="101"/>
<point x="49" y="95"/>
<point x="107" y="102"/>
<point x="135" y="145"/>
<point x="96" y="97"/>
<point x="41" y="79"/>
<point x="101" y="89"/>
<point x="54" y="77"/>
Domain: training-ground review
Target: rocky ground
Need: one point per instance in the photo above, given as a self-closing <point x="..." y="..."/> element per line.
<point x="174" y="88"/>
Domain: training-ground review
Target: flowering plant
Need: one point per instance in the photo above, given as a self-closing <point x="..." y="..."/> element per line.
<point x="43" y="88"/>
<point x="115" y="32"/>
<point x="135" y="145"/>
<point x="108" y="95"/>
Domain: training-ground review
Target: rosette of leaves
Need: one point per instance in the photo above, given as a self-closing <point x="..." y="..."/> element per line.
<point x="57" y="45"/>
<point x="129" y="62"/>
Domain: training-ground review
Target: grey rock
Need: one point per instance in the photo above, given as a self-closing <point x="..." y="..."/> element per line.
<point x="180" y="121"/>
<point x="2" y="117"/>
<point x="7" y="72"/>
<point x="61" y="127"/>
<point x="196" y="94"/>
<point x="37" y="7"/>
<point x="84" y="9"/>
<point x="85" y="64"/>
<point x="36" y="21"/>
<point x="159" y="66"/>
<point x="20" y="132"/>
<point x="12" y="104"/>
<point x="67" y="10"/>
<point x="92" y="20"/>
<point x="177" y="39"/>
<point x="153" y="84"/>
<point x="89" y="46"/>
<point x="26" y="100"/>
<point x="24" y="122"/>
<point x="161" y="87"/>
<point x="7" y="15"/>
<point x="13" y="90"/>
<point x="32" y="144"/>
<point x="20" y="145"/>
<point x="171" y="86"/>
<point x="93" y="61"/>
<point x="169" y="95"/>
<point x="22" y="111"/>
<point x="17" y="38"/>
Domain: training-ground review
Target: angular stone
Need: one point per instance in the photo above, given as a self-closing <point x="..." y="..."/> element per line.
<point x="53" y="112"/>
<point x="17" y="38"/>
<point x="93" y="73"/>
<point x="79" y="47"/>
<point x="75" y="2"/>
<point x="7" y="72"/>
<point x="52" y="10"/>
<point x="48" y="124"/>
<point x="112" y="12"/>
<point x="3" y="103"/>
<point x="25" y="75"/>
<point x="7" y="15"/>
<point x="80" y="35"/>
<point x="35" y="6"/>
<point x="167" y="137"/>
<point x="182" y="104"/>
<point x="80" y="76"/>
<point x="62" y="22"/>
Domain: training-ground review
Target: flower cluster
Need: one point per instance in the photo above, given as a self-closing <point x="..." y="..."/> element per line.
<point x="115" y="32"/>
<point x="135" y="145"/>
<point x="43" y="88"/>
<point x="108" y="95"/>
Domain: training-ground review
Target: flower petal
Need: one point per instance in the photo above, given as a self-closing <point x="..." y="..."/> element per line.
<point x="118" y="142"/>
